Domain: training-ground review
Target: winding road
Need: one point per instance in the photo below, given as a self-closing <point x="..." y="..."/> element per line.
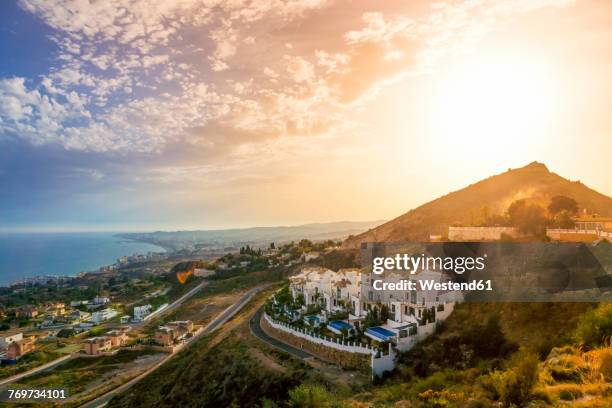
<point x="217" y="322"/>
<point x="257" y="331"/>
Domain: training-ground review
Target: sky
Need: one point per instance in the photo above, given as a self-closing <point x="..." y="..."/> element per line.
<point x="191" y="114"/>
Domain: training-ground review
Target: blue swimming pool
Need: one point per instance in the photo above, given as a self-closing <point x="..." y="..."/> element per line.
<point x="340" y="325"/>
<point x="380" y="333"/>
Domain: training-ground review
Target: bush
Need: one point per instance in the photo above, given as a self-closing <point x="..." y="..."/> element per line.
<point x="310" y="396"/>
<point x="514" y="385"/>
<point x="595" y="327"/>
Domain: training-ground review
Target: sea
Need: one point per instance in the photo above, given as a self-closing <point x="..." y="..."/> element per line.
<point x="26" y="255"/>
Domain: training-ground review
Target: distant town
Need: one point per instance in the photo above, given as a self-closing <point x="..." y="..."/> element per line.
<point x="141" y="304"/>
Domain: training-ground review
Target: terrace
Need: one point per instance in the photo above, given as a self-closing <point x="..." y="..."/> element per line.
<point x="339" y="327"/>
<point x="380" y="334"/>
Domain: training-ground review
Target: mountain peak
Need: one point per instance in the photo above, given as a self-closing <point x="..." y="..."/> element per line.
<point x="536" y="165"/>
<point x="492" y="195"/>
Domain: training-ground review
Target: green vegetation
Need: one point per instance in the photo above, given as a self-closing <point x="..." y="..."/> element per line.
<point x="75" y="375"/>
<point x="28" y="362"/>
<point x="223" y="376"/>
<point x="595" y="327"/>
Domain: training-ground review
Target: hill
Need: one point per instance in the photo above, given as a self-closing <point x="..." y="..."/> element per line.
<point x="494" y="194"/>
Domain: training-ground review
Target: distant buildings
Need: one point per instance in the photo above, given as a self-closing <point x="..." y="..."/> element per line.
<point x="103" y="315"/>
<point x="100" y="300"/>
<point x="586" y="229"/>
<point x="7" y="338"/>
<point x="27" y="311"/>
<point x="19" y="348"/>
<point x="203" y="273"/>
<point x="309" y="256"/>
<point x="96" y="345"/>
<point x="140" y="312"/>
<point x="172" y="332"/>
<point x="55" y="309"/>
<point x="102" y="344"/>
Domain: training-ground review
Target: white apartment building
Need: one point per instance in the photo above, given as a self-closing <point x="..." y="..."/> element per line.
<point x="353" y="291"/>
<point x="103" y="315"/>
<point x="140" y="312"/>
<point x="332" y="290"/>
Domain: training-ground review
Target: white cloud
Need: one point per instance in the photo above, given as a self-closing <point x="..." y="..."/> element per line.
<point x="139" y="75"/>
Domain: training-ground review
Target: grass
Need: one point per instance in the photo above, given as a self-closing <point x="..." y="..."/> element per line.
<point x="28" y="362"/>
<point x="75" y="375"/>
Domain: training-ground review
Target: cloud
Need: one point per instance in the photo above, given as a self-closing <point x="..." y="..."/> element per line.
<point x="140" y="76"/>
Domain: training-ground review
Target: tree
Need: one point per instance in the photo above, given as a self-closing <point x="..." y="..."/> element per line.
<point x="272" y="245"/>
<point x="563" y="219"/>
<point x="562" y="203"/>
<point x="528" y="218"/>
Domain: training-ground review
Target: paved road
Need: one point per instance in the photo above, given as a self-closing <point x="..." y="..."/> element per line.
<point x="35" y="370"/>
<point x="60" y="360"/>
<point x="174" y="304"/>
<point x="217" y="322"/>
<point x="255" y="325"/>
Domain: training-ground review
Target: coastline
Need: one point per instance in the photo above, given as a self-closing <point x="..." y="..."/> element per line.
<point x="27" y="256"/>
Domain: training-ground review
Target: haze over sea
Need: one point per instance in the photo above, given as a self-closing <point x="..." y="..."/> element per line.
<point x="25" y="255"/>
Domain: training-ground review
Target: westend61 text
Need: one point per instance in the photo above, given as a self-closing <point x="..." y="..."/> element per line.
<point x="405" y="284"/>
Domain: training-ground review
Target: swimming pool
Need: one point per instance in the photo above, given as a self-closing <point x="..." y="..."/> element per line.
<point x="337" y="326"/>
<point x="380" y="333"/>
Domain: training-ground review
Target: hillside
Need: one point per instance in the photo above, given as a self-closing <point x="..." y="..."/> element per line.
<point x="533" y="182"/>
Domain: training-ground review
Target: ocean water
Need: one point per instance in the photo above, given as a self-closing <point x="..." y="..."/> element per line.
<point x="25" y="255"/>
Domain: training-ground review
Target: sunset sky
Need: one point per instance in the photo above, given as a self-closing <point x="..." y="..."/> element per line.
<point x="190" y="114"/>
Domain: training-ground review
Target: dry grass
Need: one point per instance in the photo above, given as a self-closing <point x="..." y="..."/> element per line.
<point x="570" y="376"/>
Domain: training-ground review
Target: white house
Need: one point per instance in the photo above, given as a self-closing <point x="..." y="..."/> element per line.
<point x="8" y="338"/>
<point x="332" y="290"/>
<point x="412" y="313"/>
<point x="140" y="312"/>
<point x="100" y="300"/>
<point x="103" y="315"/>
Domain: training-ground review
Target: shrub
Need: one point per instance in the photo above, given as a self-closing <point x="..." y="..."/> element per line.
<point x="514" y="385"/>
<point x="600" y="361"/>
<point x="310" y="396"/>
<point x="595" y="327"/>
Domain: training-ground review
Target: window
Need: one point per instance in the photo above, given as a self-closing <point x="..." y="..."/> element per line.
<point x="392" y="308"/>
<point x="413" y="297"/>
<point x="370" y="295"/>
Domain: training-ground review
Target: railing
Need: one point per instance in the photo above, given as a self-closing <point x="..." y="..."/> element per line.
<point x="338" y="344"/>
<point x="599" y="233"/>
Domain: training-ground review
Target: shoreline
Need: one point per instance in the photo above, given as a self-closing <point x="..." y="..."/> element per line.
<point x="119" y="237"/>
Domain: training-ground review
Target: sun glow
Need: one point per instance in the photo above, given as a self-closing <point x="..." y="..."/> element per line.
<point x="493" y="102"/>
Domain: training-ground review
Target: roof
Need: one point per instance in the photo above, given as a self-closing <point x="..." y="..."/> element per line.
<point x="96" y="340"/>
